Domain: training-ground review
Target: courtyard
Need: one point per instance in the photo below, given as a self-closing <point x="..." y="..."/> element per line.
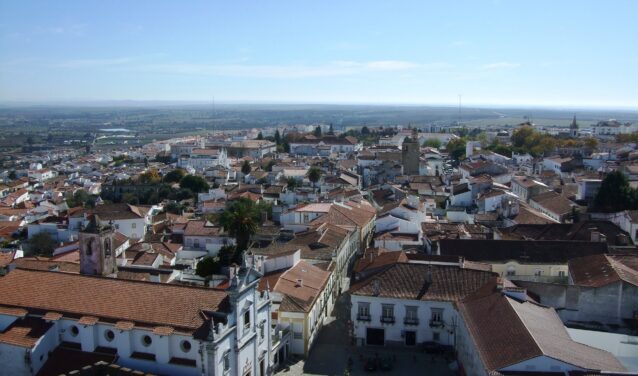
<point x="332" y="353"/>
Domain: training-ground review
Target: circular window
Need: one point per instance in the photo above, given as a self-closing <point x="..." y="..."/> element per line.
<point x="75" y="331"/>
<point x="147" y="340"/>
<point x="109" y="335"/>
<point x="186" y="346"/>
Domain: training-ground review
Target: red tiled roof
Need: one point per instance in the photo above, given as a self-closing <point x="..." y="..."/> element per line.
<point x="423" y="282"/>
<point x="507" y="332"/>
<point x="144" y="303"/>
<point x="24" y="332"/>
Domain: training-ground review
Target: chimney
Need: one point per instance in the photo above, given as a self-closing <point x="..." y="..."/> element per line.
<point x="299" y="282"/>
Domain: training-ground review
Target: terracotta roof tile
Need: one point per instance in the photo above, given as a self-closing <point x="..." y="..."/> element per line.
<point x="423" y="282"/>
<point x="24" y="332"/>
<point x="144" y="303"/>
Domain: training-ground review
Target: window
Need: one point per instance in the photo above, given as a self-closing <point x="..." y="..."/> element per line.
<point x="436" y="336"/>
<point x="247" y="319"/>
<point x="89" y="247"/>
<point x="196" y="245"/>
<point x="226" y="361"/>
<point x="411" y="317"/>
<point x="107" y="247"/>
<point x="561" y="273"/>
<point x="364" y="312"/>
<point x="511" y="271"/>
<point x="538" y="272"/>
<point x="74" y="331"/>
<point x="133" y="225"/>
<point x="387" y="313"/>
<point x="147" y="340"/>
<point x="436" y="319"/>
<point x="185" y="346"/>
<point x="297" y="335"/>
<point x="109" y="335"/>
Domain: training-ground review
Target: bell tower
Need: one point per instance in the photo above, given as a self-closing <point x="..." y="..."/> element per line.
<point x="97" y="256"/>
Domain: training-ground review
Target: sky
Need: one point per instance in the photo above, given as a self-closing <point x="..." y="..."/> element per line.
<point x="532" y="53"/>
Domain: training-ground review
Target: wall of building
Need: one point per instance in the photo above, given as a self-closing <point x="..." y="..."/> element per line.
<point x="395" y="332"/>
<point x="13" y="360"/>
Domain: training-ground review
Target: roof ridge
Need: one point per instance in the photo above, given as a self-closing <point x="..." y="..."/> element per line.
<point x="509" y="304"/>
<point x="118" y="279"/>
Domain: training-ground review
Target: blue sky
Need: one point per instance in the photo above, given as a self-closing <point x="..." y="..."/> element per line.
<point x="556" y="53"/>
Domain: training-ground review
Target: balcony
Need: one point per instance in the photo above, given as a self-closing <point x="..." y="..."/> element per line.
<point x="363" y="317"/>
<point x="436" y="323"/>
<point x="411" y="321"/>
<point x="387" y="319"/>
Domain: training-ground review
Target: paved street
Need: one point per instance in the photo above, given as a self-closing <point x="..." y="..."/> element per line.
<point x="330" y="354"/>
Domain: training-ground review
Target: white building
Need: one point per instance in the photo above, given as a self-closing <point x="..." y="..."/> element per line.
<point x="409" y="303"/>
<point x="201" y="159"/>
<point x="152" y="327"/>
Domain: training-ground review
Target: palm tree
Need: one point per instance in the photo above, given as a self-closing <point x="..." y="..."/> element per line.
<point x="241" y="219"/>
<point x="314" y="174"/>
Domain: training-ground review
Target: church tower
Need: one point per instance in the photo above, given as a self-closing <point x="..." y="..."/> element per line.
<point x="97" y="256"/>
<point x="411" y="152"/>
<point x="573" y="128"/>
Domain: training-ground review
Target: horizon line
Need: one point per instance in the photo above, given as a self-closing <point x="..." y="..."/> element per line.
<point x="198" y="102"/>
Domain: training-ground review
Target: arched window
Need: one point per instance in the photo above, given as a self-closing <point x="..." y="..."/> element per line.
<point x="107" y="247"/>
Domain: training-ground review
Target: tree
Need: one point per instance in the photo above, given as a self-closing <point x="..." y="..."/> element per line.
<point x="268" y="166"/>
<point x="456" y="148"/>
<point x="277" y="137"/>
<point x="42" y="244"/>
<point x="615" y="194"/>
<point x="12" y="175"/>
<point x="260" y="136"/>
<point x="207" y="266"/>
<point x="145" y="162"/>
<point x="150" y="177"/>
<point x="228" y="254"/>
<point x="196" y="184"/>
<point x="292" y="183"/>
<point x="130" y="198"/>
<point x="241" y="219"/>
<point x="246" y="168"/>
<point x="591" y="143"/>
<point x="432" y="143"/>
<point x="314" y="174"/>
<point x="317" y="131"/>
<point x="173" y="208"/>
<point x="365" y="131"/>
<point x="174" y="176"/>
<point x="521" y="136"/>
<point x="331" y="131"/>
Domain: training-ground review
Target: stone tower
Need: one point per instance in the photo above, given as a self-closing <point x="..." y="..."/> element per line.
<point x="97" y="256"/>
<point x="573" y="128"/>
<point x="411" y="152"/>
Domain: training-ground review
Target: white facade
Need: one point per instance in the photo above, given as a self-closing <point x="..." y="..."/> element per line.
<point x="426" y="320"/>
<point x="239" y="347"/>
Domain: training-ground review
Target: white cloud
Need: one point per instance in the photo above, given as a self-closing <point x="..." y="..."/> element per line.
<point x="501" y="65"/>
